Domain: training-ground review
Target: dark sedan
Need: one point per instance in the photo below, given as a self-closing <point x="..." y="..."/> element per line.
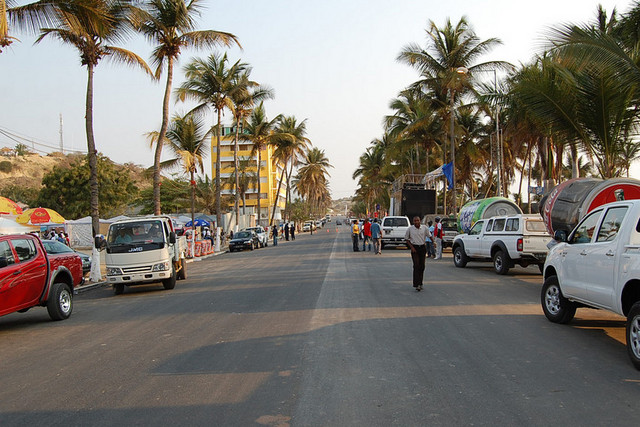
<point x="54" y="247"/>
<point x="245" y="239"/>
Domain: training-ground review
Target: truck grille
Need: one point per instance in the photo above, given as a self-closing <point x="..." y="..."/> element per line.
<point x="139" y="269"/>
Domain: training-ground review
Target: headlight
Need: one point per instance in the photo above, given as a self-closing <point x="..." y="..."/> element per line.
<point x="162" y="266"/>
<point x="114" y="271"/>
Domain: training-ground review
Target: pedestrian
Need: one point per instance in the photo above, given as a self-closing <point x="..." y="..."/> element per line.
<point x="376" y="236"/>
<point x="355" y="235"/>
<point x="431" y="253"/>
<point x="366" y="241"/>
<point x="61" y="238"/>
<point x="274" y="231"/>
<point x="416" y="236"/>
<point x="438" y="235"/>
<point x="292" y="231"/>
<point x="286" y="231"/>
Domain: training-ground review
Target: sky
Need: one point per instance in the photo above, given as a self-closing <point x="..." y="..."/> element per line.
<point x="331" y="62"/>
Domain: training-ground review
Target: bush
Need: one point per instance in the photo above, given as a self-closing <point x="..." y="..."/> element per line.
<point x="6" y="166"/>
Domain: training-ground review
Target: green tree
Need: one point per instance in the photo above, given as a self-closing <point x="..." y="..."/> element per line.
<point x="212" y="83"/>
<point x="89" y="26"/>
<point x="65" y="189"/>
<point x="170" y="25"/>
<point x="312" y="181"/>
<point x="245" y="177"/>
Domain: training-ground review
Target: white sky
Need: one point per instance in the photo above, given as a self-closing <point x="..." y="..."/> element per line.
<point x="332" y="62"/>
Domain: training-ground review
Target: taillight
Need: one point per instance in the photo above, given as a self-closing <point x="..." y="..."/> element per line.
<point x="519" y="245"/>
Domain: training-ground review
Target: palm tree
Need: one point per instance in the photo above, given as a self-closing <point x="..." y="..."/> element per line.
<point x="170" y="24"/>
<point x="5" y="39"/>
<point x="289" y="146"/>
<point x="87" y="25"/>
<point x="312" y="181"/>
<point x="245" y="177"/>
<point x="186" y="138"/>
<point x="260" y="132"/>
<point x="242" y="104"/>
<point x="212" y="83"/>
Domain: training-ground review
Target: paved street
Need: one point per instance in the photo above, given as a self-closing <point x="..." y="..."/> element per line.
<point x="309" y="333"/>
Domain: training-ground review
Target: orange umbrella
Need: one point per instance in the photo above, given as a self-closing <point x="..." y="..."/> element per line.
<point x="9" y="207"/>
<point x="39" y="216"/>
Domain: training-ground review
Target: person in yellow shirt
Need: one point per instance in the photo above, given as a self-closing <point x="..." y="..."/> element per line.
<point x="355" y="235"/>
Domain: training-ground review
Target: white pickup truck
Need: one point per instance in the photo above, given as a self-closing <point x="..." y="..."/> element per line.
<point x="598" y="266"/>
<point x="505" y="240"/>
<point x="143" y="250"/>
<point x="393" y="230"/>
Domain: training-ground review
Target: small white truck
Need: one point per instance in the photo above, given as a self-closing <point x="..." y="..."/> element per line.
<point x="598" y="266"/>
<point x="393" y="230"/>
<point x="505" y="240"/>
<point x="143" y="250"/>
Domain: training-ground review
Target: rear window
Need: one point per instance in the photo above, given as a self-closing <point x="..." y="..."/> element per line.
<point x="513" y="224"/>
<point x="498" y="224"/>
<point x="25" y="249"/>
<point x="396" y="222"/>
<point x="535" y="226"/>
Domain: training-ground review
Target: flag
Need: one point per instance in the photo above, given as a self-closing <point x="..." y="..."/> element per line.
<point x="447" y="170"/>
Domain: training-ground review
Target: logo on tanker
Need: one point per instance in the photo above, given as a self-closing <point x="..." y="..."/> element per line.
<point x="466" y="216"/>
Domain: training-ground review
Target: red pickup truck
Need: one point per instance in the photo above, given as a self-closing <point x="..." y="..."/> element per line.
<point x="30" y="277"/>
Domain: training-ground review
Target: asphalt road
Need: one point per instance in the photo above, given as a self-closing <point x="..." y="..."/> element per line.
<point x="309" y="333"/>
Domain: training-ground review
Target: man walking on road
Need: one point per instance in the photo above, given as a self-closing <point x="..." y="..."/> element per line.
<point x="376" y="235"/>
<point x="366" y="241"/>
<point x="437" y="232"/>
<point x="416" y="237"/>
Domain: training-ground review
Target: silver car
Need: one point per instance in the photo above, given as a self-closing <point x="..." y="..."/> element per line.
<point x="263" y="236"/>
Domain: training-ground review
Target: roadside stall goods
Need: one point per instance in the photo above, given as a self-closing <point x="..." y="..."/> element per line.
<point x="485" y="208"/>
<point x="570" y="201"/>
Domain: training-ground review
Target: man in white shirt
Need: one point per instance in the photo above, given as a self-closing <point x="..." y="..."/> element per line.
<point x="416" y="237"/>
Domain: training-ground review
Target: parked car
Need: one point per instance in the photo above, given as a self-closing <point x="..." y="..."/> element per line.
<point x="30" y="277"/>
<point x="245" y="239"/>
<point x="505" y="240"/>
<point x="598" y="266"/>
<point x="308" y="226"/>
<point x="263" y="237"/>
<point x="449" y="230"/>
<point x="393" y="230"/>
<point x="55" y="248"/>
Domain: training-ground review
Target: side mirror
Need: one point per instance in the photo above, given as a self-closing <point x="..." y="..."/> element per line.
<point x="99" y="242"/>
<point x="560" y="236"/>
<point x="172" y="237"/>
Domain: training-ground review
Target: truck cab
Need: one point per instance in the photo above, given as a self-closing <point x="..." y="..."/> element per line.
<point x="143" y="250"/>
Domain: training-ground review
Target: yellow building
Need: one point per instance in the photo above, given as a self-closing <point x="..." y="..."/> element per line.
<point x="270" y="173"/>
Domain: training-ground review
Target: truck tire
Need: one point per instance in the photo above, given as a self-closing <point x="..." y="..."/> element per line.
<point x="460" y="258"/>
<point x="182" y="274"/>
<point x="118" y="288"/>
<point x="556" y="307"/>
<point x="170" y="283"/>
<point x="501" y="263"/>
<point x="60" y="302"/>
<point x="633" y="334"/>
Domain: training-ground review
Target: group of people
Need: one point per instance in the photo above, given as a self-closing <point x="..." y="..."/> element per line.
<point x="288" y="229"/>
<point x="421" y="239"/>
<point x="61" y="236"/>
<point x="370" y="233"/>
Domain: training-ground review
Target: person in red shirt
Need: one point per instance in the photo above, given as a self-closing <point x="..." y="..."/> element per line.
<point x="367" y="235"/>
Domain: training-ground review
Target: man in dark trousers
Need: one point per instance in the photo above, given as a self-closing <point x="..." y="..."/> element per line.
<point x="355" y="235"/>
<point x="416" y="237"/>
<point x="286" y="231"/>
<point x="292" y="231"/>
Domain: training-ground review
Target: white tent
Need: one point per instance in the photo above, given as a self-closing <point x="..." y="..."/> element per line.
<point x="80" y="232"/>
<point x="8" y="226"/>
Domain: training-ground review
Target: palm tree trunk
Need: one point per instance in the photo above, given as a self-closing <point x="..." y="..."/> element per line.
<point x="289" y="189"/>
<point x="163" y="131"/>
<point x="259" y="167"/>
<point x="92" y="155"/>
<point x="218" y="166"/>
<point x="235" y="164"/>
<point x="193" y="209"/>
<point x="275" y="204"/>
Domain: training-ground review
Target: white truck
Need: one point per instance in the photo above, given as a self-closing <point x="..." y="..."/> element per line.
<point x="598" y="266"/>
<point x="505" y="240"/>
<point x="143" y="250"/>
<point x="393" y="230"/>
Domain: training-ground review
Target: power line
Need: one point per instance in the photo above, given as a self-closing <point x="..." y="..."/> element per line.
<point x="28" y="140"/>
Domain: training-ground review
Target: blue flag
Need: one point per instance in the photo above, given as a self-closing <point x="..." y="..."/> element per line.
<point x="447" y="170"/>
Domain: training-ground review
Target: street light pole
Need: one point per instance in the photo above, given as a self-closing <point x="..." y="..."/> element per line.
<point x="459" y="70"/>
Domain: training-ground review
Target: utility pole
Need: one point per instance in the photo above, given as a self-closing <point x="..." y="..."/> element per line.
<point x="61" y="137"/>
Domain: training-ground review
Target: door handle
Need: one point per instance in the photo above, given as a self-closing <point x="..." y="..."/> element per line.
<point x="15" y="273"/>
<point x="583" y="253"/>
<point x="610" y="253"/>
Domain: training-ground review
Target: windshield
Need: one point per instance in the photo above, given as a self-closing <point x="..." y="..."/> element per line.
<point x="55" y="247"/>
<point x="449" y="224"/>
<point x="242" y="234"/>
<point x="136" y="236"/>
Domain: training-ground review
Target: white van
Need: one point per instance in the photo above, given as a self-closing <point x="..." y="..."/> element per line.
<point x="393" y="230"/>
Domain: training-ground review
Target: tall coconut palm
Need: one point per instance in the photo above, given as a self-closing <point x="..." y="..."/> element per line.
<point x="312" y="181"/>
<point x="5" y="38"/>
<point x="170" y="25"/>
<point x="186" y="139"/>
<point x="88" y="26"/>
<point x="245" y="177"/>
<point x="212" y="83"/>
<point x="243" y="102"/>
<point x="289" y="146"/>
<point x="260" y="131"/>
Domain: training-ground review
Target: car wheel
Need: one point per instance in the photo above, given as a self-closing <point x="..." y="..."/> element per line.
<point x="60" y="302"/>
<point x="633" y="335"/>
<point x="182" y="274"/>
<point x="118" y="288"/>
<point x="459" y="257"/>
<point x="541" y="268"/>
<point x="556" y="307"/>
<point x="170" y="283"/>
<point x="501" y="263"/>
